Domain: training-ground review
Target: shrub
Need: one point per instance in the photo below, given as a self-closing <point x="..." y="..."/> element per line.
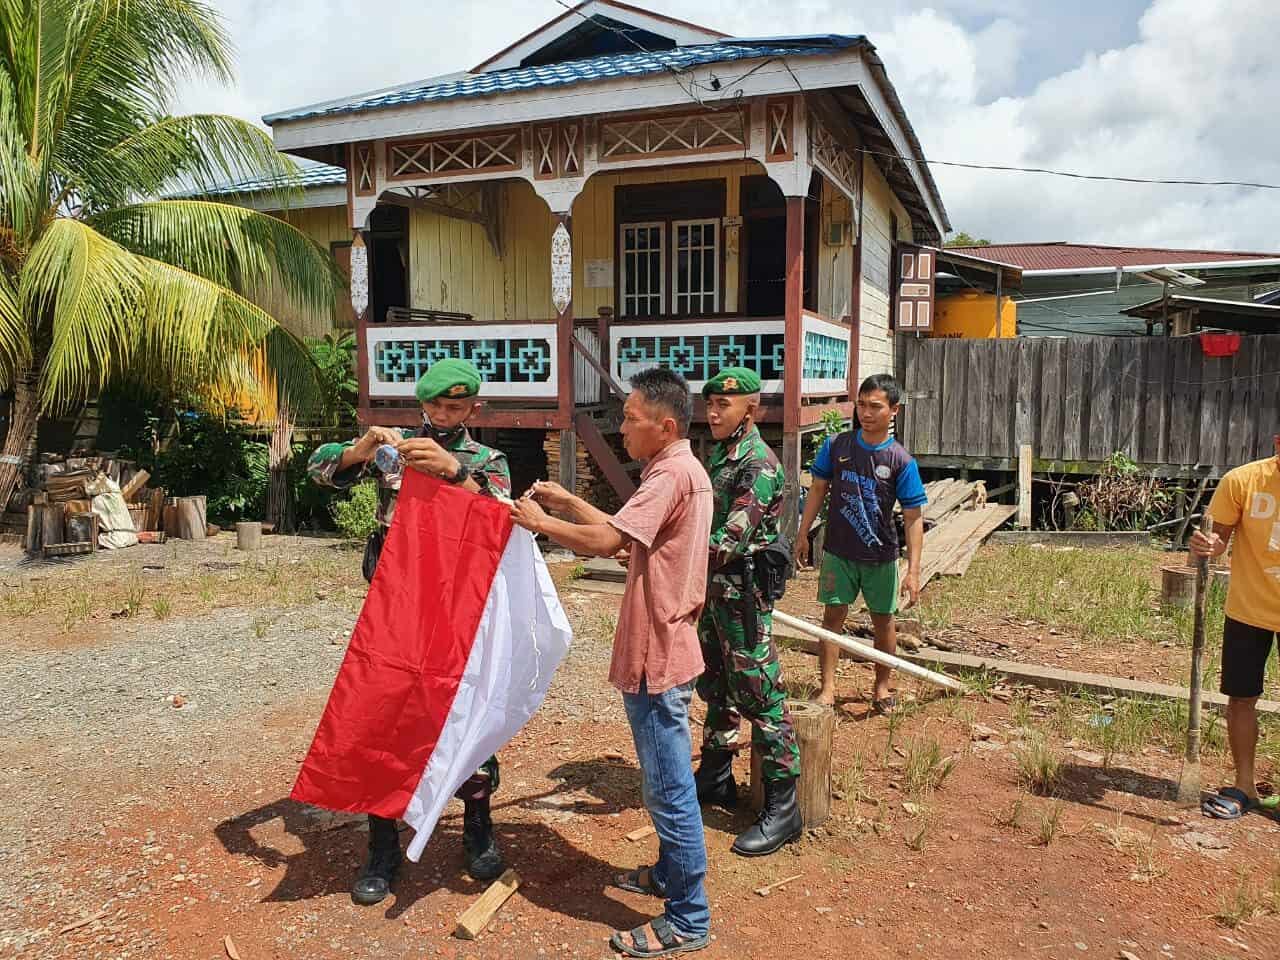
<point x="357" y="516"/>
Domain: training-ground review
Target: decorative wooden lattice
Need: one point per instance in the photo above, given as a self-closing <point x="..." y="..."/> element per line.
<point x="544" y="152"/>
<point x="572" y="141"/>
<point x="443" y="156"/>
<point x="660" y="136"/>
<point x="363" y="176"/>
<point x="834" y="159"/>
<point x="780" y="134"/>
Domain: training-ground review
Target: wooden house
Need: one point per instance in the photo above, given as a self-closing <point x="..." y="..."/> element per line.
<point x="615" y="190"/>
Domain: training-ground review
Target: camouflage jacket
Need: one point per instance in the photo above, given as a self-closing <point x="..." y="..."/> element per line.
<point x="747" y="487"/>
<point x="475" y="456"/>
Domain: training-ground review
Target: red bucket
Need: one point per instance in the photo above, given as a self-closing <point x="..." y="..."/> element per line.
<point x="1219" y="344"/>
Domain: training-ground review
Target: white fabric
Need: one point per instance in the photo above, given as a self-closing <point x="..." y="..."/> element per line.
<point x="522" y="638"/>
<point x="115" y="525"/>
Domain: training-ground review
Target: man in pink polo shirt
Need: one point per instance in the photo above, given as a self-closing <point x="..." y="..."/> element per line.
<point x="665" y="526"/>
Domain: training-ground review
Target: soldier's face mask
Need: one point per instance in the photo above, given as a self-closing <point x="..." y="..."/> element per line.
<point x="441" y="435"/>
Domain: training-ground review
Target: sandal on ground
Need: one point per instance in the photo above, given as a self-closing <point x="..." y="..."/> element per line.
<point x="1229" y="803"/>
<point x="885" y="705"/>
<point x="639" y="880"/>
<point x="636" y="943"/>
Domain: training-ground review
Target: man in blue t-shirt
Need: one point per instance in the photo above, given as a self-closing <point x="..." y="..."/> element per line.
<point x="865" y="471"/>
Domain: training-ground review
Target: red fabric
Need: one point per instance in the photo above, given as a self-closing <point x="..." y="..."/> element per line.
<point x="1219" y="344"/>
<point x="408" y="651"/>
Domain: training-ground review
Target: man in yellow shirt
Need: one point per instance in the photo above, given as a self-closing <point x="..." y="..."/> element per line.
<point x="1246" y="507"/>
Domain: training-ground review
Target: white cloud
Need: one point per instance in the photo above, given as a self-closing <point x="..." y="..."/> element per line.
<point x="1191" y="97"/>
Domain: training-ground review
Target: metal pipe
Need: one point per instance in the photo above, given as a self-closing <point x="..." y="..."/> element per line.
<point x="864" y="651"/>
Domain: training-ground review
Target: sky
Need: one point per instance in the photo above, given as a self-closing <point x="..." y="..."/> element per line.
<point x="1134" y="88"/>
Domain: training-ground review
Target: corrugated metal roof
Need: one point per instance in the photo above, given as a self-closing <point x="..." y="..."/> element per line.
<point x="1087" y="256"/>
<point x="605" y="67"/>
<point x="310" y="176"/>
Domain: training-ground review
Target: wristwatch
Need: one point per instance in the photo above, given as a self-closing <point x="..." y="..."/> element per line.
<point x="460" y="475"/>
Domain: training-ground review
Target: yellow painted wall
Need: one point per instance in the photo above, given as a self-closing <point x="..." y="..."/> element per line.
<point x="325" y="225"/>
<point x="835" y="263"/>
<point x="452" y="265"/>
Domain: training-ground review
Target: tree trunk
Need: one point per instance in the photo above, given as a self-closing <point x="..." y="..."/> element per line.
<point x="18" y="442"/>
<point x="279" y="496"/>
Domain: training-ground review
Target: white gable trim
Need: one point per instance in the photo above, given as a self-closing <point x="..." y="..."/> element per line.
<point x="684" y="34"/>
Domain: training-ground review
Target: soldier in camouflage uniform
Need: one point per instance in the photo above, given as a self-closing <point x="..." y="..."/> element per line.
<point x="442" y="448"/>
<point x="743" y="675"/>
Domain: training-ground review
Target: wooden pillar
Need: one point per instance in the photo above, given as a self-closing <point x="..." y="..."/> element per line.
<point x="855" y="307"/>
<point x="360" y="306"/>
<point x="562" y="300"/>
<point x="568" y="477"/>
<point x="793" y="345"/>
<point x="606" y="356"/>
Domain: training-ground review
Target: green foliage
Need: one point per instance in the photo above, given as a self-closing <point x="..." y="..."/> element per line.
<point x="100" y="283"/>
<point x="217" y="457"/>
<point x="962" y="239"/>
<point x="1122" y="498"/>
<point x="357" y="515"/>
<point x="335" y="359"/>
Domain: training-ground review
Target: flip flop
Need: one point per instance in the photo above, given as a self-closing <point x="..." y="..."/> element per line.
<point x="1229" y="803"/>
<point x="885" y="705"/>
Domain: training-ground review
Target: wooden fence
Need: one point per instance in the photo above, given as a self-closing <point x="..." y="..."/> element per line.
<point x="1077" y="400"/>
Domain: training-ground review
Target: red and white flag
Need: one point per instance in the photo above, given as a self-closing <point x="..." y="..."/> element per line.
<point x="453" y="652"/>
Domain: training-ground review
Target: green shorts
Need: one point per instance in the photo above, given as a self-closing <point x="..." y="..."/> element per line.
<point x="842" y="580"/>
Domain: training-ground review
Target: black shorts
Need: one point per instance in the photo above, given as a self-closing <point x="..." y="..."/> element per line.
<point x="1245" y="650"/>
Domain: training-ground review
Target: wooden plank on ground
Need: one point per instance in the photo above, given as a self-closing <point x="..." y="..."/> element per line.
<point x="955" y="411"/>
<point x="478" y="915"/>
<point x="951" y="498"/>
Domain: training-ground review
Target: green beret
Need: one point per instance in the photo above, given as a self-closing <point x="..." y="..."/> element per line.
<point x="732" y="380"/>
<point x="450" y="378"/>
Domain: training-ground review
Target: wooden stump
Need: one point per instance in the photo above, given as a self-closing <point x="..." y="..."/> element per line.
<point x="248" y="535"/>
<point x="815" y="727"/>
<point x="1177" y="587"/>
<point x="191" y="518"/>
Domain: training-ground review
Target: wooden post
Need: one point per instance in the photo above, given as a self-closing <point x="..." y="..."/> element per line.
<point x="1189" y="782"/>
<point x="568" y="460"/>
<point x="606" y="357"/>
<point x="1024" y="486"/>
<point x="248" y="535"/>
<point x="793" y="346"/>
<point x="815" y="727"/>
<point x="191" y="518"/>
<point x="562" y="300"/>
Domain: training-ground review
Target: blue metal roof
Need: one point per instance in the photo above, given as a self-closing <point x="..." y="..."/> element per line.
<point x="606" y="67"/>
<point x="309" y="176"/>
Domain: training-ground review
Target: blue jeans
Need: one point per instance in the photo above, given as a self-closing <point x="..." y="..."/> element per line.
<point x="660" y="727"/>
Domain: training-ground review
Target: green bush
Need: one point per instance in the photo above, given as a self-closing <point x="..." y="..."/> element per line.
<point x="357" y="516"/>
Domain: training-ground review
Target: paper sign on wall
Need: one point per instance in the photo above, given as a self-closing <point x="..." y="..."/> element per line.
<point x="599" y="274"/>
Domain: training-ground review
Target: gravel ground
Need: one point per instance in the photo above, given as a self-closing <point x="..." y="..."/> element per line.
<point x="113" y="713"/>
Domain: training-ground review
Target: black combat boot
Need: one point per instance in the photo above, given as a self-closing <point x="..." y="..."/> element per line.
<point x="374" y="882"/>
<point x="779" y="822"/>
<point x="484" y="860"/>
<point x="714" y="778"/>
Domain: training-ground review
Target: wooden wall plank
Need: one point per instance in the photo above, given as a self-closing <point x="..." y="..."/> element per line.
<point x="977" y="397"/>
<point x="1102" y="400"/>
<point x="1184" y="410"/>
<point x="1003" y="377"/>
<point x="1152" y="398"/>
<point x="1215" y="409"/>
<point x="1127" y="357"/>
<point x="1267" y="404"/>
<point x="955" y="409"/>
<point x="1026" y="409"/>
<point x="1242" y="392"/>
<point x="1052" y="363"/>
<point x="1075" y="401"/>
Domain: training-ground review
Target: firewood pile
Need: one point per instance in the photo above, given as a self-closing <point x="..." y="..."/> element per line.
<point x="81" y="504"/>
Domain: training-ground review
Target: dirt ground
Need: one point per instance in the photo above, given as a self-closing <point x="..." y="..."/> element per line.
<point x="158" y="703"/>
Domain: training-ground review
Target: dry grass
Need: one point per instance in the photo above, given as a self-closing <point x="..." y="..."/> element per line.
<point x="1039" y="765"/>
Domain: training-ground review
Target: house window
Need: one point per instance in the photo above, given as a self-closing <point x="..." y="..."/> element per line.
<point x="643" y="269"/>
<point x="697" y="266"/>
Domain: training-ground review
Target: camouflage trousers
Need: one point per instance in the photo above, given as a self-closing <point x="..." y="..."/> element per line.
<point x="743" y="680"/>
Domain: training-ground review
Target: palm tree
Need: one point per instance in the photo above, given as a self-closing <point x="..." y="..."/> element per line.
<point x="99" y="282"/>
